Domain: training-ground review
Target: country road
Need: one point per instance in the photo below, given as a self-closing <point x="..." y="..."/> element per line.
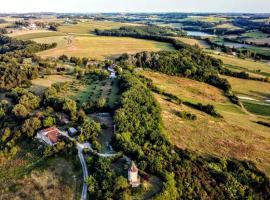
<point x="80" y="148"/>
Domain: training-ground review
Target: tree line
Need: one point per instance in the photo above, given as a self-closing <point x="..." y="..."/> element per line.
<point x="187" y="62"/>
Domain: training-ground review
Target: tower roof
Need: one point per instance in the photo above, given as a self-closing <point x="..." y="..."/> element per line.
<point x="133" y="167"/>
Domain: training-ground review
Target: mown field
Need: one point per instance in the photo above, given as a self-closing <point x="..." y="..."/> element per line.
<point x="255" y="89"/>
<point x="100" y="47"/>
<point x="236" y="135"/>
<point x="191" y="41"/>
<point x="89" y="26"/>
<point x="34" y="34"/>
<point x="227" y="26"/>
<point x="261" y="68"/>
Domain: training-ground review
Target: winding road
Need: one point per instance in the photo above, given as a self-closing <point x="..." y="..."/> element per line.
<point x="80" y="148"/>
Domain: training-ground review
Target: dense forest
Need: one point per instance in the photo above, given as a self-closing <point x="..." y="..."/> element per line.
<point x="186" y="175"/>
<point x="141" y="30"/>
<point x="18" y="63"/>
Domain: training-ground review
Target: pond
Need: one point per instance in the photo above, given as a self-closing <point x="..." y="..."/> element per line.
<point x="236" y="45"/>
<point x="198" y="33"/>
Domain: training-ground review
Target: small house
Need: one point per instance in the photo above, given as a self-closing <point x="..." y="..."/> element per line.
<point x="49" y="136"/>
<point x="72" y="131"/>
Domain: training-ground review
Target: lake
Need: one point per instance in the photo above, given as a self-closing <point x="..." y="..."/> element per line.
<point x="198" y="33"/>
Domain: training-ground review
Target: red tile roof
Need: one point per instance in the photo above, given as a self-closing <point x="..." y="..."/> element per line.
<point x="53" y="136"/>
<point x="52" y="133"/>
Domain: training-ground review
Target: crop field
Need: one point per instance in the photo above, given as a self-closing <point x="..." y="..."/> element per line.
<point x="227" y="26"/>
<point x="36" y="34"/>
<point x="236" y="135"/>
<point x="191" y="41"/>
<point x="244" y="63"/>
<point x="100" y="47"/>
<point x="89" y="26"/>
<point x="207" y="19"/>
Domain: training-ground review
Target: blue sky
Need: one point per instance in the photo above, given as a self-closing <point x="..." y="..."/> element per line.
<point x="135" y="5"/>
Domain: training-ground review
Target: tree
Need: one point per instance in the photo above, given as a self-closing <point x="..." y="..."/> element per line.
<point x="90" y="130"/>
<point x="30" y="126"/>
<point x="49" y="122"/>
<point x="20" y="111"/>
<point x="5" y="134"/>
<point x="101" y="103"/>
<point x="121" y="183"/>
<point x="91" y="182"/>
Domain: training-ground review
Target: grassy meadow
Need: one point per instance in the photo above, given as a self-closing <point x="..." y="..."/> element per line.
<point x="236" y="135"/>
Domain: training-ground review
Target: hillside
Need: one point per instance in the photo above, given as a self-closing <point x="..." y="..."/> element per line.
<point x="236" y="135"/>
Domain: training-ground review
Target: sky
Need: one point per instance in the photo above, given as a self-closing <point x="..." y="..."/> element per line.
<point x="90" y="6"/>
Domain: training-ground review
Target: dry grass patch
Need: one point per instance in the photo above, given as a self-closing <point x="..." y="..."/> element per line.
<point x="234" y="136"/>
<point x="191" y="41"/>
<point x="54" y="182"/>
<point x="187" y="89"/>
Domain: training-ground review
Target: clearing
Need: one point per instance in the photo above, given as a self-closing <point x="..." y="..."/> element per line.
<point x="40" y="84"/>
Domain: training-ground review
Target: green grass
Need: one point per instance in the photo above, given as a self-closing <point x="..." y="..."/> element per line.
<point x="31" y="36"/>
<point x="255" y="35"/>
<point x="257" y="108"/>
<point x="114" y="95"/>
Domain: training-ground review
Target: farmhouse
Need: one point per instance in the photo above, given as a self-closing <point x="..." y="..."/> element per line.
<point x="32" y="26"/>
<point x="49" y="136"/>
<point x="133" y="178"/>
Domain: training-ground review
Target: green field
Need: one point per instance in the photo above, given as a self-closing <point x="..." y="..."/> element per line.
<point x="257" y="108"/>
